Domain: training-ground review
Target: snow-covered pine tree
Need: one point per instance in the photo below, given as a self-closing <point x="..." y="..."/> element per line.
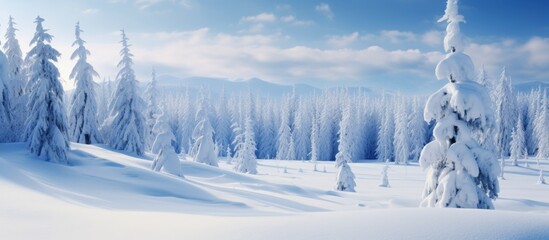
<point x="151" y="97"/>
<point x="345" y="179"/>
<point x="285" y="134"/>
<point x="126" y="121"/>
<point x="541" y="178"/>
<point x="204" y="147"/>
<point x="223" y="123"/>
<point x="385" y="177"/>
<point x="541" y="129"/>
<point x="244" y="155"/>
<point x="518" y="142"/>
<point x="46" y="127"/>
<point x="401" y="139"/>
<point x="302" y="130"/>
<point x="460" y="173"/>
<point x="314" y="138"/>
<point x="83" y="110"/>
<point x="417" y="129"/>
<point x="5" y="105"/>
<point x="504" y="114"/>
<point x="385" y="136"/>
<point x="267" y="134"/>
<point x="186" y="123"/>
<point x="534" y="107"/>
<point x="17" y="81"/>
<point x="166" y="158"/>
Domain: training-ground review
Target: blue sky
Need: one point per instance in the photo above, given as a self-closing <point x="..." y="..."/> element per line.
<point x="390" y="44"/>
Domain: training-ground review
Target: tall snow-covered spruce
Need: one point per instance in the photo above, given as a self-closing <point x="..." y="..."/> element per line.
<point x="17" y="81"/>
<point x="345" y="178"/>
<point x="204" y="146"/>
<point x="126" y="122"/>
<point x="46" y="126"/>
<point x="5" y="107"/>
<point x="166" y="158"/>
<point x="460" y="173"/>
<point x="151" y="95"/>
<point x="244" y="155"/>
<point x="83" y="110"/>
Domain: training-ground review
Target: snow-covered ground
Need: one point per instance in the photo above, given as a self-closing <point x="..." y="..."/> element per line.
<point x="106" y="194"/>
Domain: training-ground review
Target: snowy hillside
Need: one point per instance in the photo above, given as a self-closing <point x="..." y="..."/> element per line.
<point x="105" y="194"/>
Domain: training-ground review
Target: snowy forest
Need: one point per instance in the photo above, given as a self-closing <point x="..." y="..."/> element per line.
<point x="144" y="145"/>
<point x="307" y="127"/>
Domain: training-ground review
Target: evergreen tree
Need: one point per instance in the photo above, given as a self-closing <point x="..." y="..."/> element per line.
<point x="126" y="122"/>
<point x="5" y="106"/>
<point x="345" y="179"/>
<point x="505" y="112"/>
<point x="385" y="136"/>
<point x="223" y="123"/>
<point x="285" y="139"/>
<point x="401" y="139"/>
<point x="314" y="139"/>
<point x="461" y="173"/>
<point x="83" y="110"/>
<point x="151" y="96"/>
<point x="518" y="143"/>
<point x="16" y="82"/>
<point x="46" y="127"/>
<point x="166" y="158"/>
<point x="204" y="147"/>
<point x="245" y="150"/>
<point x="541" y="128"/>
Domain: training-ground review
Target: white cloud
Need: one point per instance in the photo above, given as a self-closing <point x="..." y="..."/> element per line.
<point x="396" y="36"/>
<point x="290" y="19"/>
<point x="260" y="18"/>
<point x="343" y="41"/>
<point x="325" y="9"/>
<point x="90" y="11"/>
<point x="432" y="38"/>
<point x="146" y="4"/>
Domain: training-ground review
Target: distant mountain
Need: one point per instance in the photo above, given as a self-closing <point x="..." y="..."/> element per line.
<point x="528" y="86"/>
<point x="215" y="85"/>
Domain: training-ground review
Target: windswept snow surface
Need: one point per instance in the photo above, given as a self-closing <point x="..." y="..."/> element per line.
<point x="105" y="194"/>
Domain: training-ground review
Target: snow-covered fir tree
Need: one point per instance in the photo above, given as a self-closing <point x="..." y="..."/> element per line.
<point x="151" y="97"/>
<point x="244" y="156"/>
<point x="6" y="135"/>
<point x="504" y="114"/>
<point x="46" y="126"/>
<point x="267" y="135"/>
<point x="302" y="138"/>
<point x="534" y="107"/>
<point x="126" y="123"/>
<point x="384" y="149"/>
<point x="223" y="123"/>
<point x="401" y="140"/>
<point x="345" y="178"/>
<point x="460" y="173"/>
<point x="83" y="124"/>
<point x="204" y="146"/>
<point x="417" y="129"/>
<point x="285" y="139"/>
<point x="314" y="139"/>
<point x="17" y="81"/>
<point x="518" y="142"/>
<point x="385" y="177"/>
<point x="541" y="178"/>
<point x="166" y="158"/>
<point x="186" y="123"/>
<point x="541" y="129"/>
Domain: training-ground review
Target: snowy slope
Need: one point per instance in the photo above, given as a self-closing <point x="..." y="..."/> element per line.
<point x="109" y="195"/>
